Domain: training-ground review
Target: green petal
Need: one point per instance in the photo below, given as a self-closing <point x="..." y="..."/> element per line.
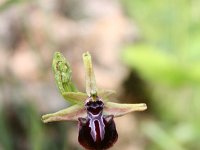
<point x="79" y="97"/>
<point x="70" y="113"/>
<point x="118" y="109"/>
<point x="75" y="97"/>
<point x="106" y="94"/>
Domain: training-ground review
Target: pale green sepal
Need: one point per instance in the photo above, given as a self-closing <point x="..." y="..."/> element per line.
<point x="91" y="88"/>
<point x="118" y="109"/>
<point x="62" y="73"/>
<point x="75" y="97"/>
<point x="70" y="113"/>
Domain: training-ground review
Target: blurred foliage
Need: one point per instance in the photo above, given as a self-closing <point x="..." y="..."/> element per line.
<point x="21" y="128"/>
<point x="9" y="3"/>
<point x="167" y="57"/>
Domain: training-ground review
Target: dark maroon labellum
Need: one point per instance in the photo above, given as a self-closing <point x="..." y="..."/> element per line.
<point x="97" y="131"/>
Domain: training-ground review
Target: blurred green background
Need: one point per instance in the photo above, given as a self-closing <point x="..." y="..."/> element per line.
<point x="148" y="51"/>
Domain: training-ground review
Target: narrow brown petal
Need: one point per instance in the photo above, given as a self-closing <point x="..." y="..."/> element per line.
<point x="118" y="109"/>
<point x="70" y="113"/>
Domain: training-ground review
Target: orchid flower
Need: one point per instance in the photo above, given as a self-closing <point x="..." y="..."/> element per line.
<point x="92" y="110"/>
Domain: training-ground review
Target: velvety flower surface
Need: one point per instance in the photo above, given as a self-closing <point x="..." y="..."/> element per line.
<point x="93" y="111"/>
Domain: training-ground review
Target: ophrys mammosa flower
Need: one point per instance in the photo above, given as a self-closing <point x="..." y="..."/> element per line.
<point x="92" y="110"/>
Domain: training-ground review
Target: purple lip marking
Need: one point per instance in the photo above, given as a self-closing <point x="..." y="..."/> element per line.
<point x="97" y="131"/>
